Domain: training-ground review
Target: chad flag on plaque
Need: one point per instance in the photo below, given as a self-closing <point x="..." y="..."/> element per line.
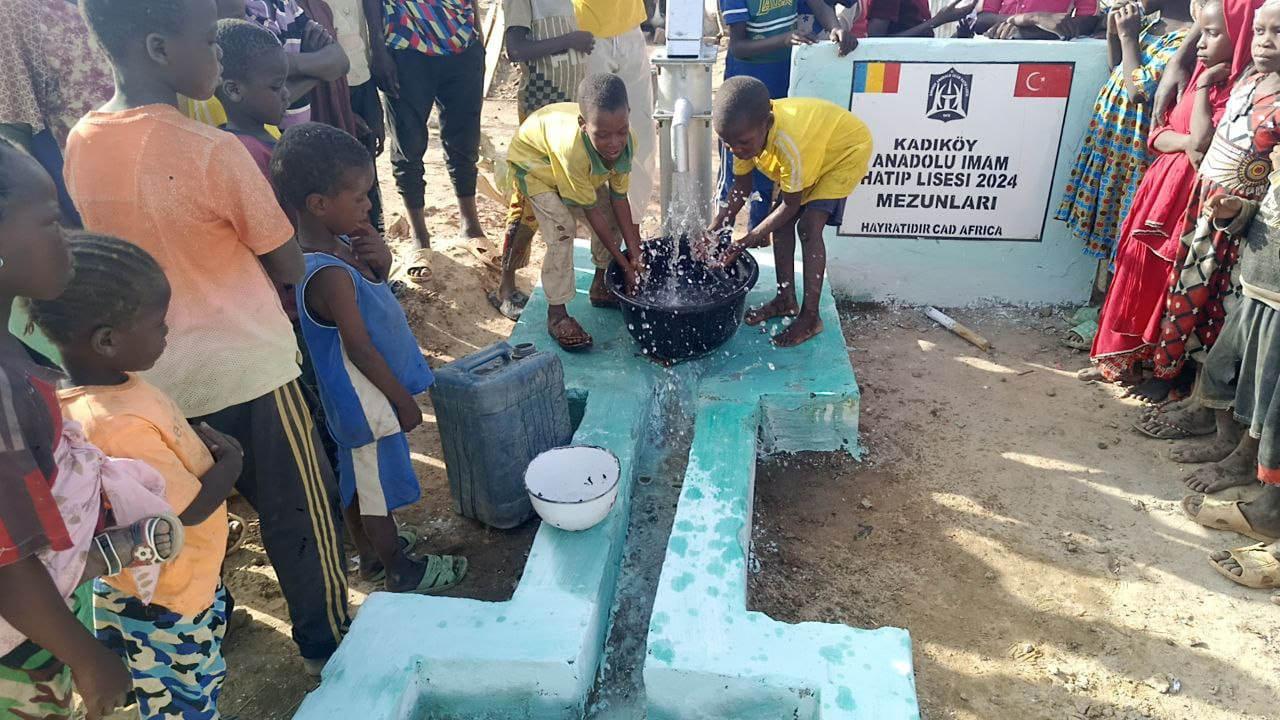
<point x="876" y="77"/>
<point x="1043" y="81"/>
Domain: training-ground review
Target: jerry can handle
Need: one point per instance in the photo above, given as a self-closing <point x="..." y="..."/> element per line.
<point x="486" y="361"/>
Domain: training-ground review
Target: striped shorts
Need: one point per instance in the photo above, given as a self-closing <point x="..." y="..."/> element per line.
<point x="176" y="660"/>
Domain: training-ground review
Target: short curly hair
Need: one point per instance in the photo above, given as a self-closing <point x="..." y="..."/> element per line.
<point x="111" y="282"/>
<point x="310" y="159"/>
<point x="602" y="92"/>
<point x="740" y="100"/>
<point x="243" y="43"/>
<point x="117" y="24"/>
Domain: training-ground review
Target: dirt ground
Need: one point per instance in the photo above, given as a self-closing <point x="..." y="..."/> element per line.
<point x="1029" y="540"/>
<point x="452" y="318"/>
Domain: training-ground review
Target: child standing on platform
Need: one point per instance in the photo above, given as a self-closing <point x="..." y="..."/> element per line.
<point x="761" y="35"/>
<point x="817" y="152"/>
<point x="367" y="361"/>
<point x="191" y="196"/>
<point x="543" y="36"/>
<point x="562" y="158"/>
<point x="108" y="325"/>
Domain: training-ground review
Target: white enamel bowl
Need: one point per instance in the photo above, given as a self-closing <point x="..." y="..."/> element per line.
<point x="573" y="487"/>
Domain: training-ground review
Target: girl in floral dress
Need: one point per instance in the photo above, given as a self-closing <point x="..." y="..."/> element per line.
<point x="1115" y="153"/>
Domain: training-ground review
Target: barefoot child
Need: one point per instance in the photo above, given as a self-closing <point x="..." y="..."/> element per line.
<point x="253" y="88"/>
<point x="191" y="196"/>
<point x="106" y="330"/>
<point x="816" y="152"/>
<point x="52" y="483"/>
<point x="562" y="158"/>
<point x="367" y="361"/>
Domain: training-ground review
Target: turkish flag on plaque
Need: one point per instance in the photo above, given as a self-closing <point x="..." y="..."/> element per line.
<point x="1043" y="81"/>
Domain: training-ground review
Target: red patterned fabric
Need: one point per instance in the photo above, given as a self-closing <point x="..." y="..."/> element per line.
<point x="30" y="425"/>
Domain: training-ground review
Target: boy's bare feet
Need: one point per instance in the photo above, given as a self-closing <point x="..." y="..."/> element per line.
<point x="599" y="294"/>
<point x="780" y="306"/>
<point x="801" y="329"/>
<point x="1238" y="469"/>
<point x="1222" y="445"/>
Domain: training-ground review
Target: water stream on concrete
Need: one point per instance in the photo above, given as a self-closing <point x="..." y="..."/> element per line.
<point x="659" y="471"/>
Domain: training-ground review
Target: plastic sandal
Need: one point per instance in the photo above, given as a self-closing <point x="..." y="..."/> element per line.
<point x="1259" y="568"/>
<point x="145" y="552"/>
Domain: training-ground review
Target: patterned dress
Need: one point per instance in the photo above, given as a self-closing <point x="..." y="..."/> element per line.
<point x="1115" y="153"/>
<point x="1236" y="163"/>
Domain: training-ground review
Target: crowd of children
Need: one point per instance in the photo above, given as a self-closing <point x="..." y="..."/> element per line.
<point x="258" y="346"/>
<point x="1188" y="238"/>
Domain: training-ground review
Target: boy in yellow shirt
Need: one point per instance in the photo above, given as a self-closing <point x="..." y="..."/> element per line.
<point x="815" y="152"/>
<point x="573" y="162"/>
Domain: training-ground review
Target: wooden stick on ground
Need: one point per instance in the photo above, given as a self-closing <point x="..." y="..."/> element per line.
<point x="947" y="322"/>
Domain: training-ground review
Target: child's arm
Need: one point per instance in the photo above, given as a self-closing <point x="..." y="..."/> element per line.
<point x="738" y="194"/>
<point x="32" y="604"/>
<point x="955" y="11"/>
<point x="839" y="34"/>
<point x="1115" y="53"/>
<point x="381" y="64"/>
<point x="1202" y="125"/>
<point x="603" y="229"/>
<point x="368" y="245"/>
<point x="331" y="294"/>
<point x="784" y="212"/>
<point x="322" y="60"/>
<point x="521" y="49"/>
<point x="217" y="484"/>
<point x="1128" y="26"/>
<point x="284" y="265"/>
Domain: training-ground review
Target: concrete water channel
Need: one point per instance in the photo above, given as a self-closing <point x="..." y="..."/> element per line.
<point x="644" y="615"/>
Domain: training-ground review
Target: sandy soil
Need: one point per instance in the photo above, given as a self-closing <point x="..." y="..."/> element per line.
<point x="1030" y="541"/>
<point x="452" y="318"/>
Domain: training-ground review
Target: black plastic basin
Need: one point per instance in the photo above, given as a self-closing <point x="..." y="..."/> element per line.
<point x="684" y="310"/>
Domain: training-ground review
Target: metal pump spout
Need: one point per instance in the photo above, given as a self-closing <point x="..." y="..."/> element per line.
<point x="681" y="114"/>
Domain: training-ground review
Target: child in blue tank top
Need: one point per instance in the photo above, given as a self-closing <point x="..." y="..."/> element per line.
<point x="367" y="361"/>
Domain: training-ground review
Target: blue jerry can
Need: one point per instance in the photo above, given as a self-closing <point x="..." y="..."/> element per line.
<point x="496" y="410"/>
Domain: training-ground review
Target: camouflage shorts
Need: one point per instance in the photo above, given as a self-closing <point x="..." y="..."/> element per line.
<point x="176" y="660"/>
<point x="40" y="690"/>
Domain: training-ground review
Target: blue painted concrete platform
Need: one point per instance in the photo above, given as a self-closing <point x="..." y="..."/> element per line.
<point x="536" y="656"/>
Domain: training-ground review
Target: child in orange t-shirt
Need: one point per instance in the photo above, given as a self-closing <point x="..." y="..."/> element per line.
<point x="106" y="330"/>
<point x="192" y="197"/>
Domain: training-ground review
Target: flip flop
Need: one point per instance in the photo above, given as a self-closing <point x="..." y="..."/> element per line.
<point x="1081" y="336"/>
<point x="487" y="256"/>
<point x="583" y="342"/>
<point x="416" y="268"/>
<point x="443" y="572"/>
<point x="507" y="308"/>
<point x="1259" y="568"/>
<point x="145" y="551"/>
<point x="1222" y="515"/>
<point x="408" y="538"/>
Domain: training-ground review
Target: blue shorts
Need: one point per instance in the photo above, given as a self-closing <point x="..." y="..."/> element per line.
<point x="380" y="474"/>
<point x="833" y="208"/>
